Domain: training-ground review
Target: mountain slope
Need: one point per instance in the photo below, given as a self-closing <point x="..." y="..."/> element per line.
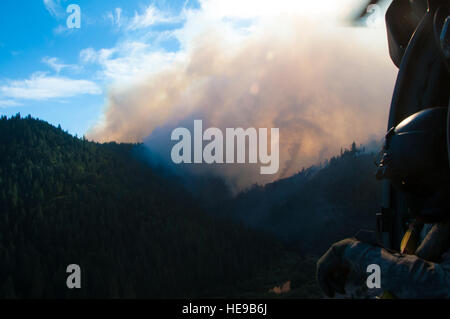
<point x="317" y="206"/>
<point x="65" y="200"/>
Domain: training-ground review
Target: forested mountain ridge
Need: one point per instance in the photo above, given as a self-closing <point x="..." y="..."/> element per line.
<point x="317" y="206"/>
<point x="66" y="200"/>
<point x="137" y="231"/>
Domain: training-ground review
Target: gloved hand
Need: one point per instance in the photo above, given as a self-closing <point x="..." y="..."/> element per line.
<point x="332" y="269"/>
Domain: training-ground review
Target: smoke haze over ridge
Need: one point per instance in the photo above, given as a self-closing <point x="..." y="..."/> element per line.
<point x="324" y="86"/>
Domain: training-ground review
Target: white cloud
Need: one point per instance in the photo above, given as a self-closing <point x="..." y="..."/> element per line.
<point x="138" y="53"/>
<point x="41" y="87"/>
<point x="57" y="65"/>
<point x="54" y="7"/>
<point x="130" y="61"/>
<point x="149" y="17"/>
<point x="88" y="55"/>
<point x="114" y="17"/>
<point x="9" y="103"/>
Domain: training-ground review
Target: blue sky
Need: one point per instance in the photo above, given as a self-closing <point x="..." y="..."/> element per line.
<point x="62" y="75"/>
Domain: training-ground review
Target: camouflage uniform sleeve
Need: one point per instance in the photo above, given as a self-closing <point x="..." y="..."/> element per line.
<point x="406" y="276"/>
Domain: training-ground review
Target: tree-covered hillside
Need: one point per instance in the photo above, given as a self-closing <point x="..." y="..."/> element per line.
<point x="317" y="206"/>
<point x="65" y="200"/>
<point x="137" y="231"/>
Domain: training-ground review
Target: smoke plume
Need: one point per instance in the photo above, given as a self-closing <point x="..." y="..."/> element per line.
<point x="323" y="86"/>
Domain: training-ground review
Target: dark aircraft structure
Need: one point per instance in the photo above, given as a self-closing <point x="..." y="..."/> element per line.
<point x="411" y="246"/>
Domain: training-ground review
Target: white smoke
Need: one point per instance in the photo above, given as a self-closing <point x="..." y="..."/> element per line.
<point x="323" y="85"/>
